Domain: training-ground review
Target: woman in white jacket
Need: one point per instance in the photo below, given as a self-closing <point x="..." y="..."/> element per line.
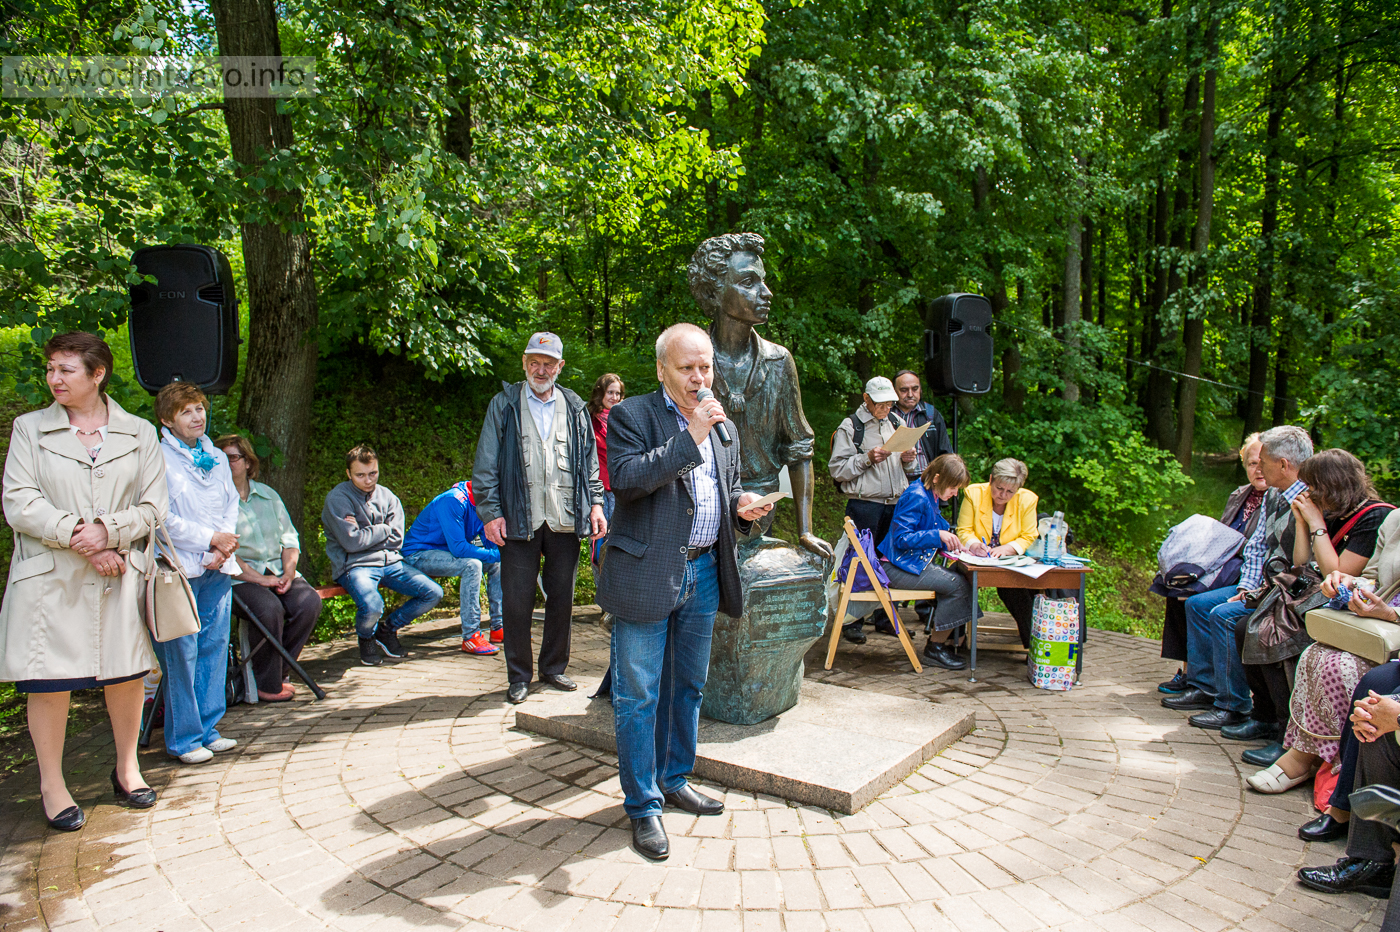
<point x="84" y="484"/>
<point x="202" y="524"/>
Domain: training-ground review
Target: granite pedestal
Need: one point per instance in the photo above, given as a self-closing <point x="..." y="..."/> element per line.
<point x="838" y="748"/>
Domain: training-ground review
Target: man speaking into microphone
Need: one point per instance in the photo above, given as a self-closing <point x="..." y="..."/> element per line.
<point x="670" y="563"/>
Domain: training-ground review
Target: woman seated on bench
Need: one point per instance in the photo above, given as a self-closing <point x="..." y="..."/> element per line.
<point x="268" y="549"/>
<point x="918" y="532"/>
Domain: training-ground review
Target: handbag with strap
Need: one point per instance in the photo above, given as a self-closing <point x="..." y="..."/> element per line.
<point x="1278" y="629"/>
<point x="169" y="604"/>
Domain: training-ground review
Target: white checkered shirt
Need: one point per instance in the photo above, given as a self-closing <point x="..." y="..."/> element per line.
<point x="703" y="482"/>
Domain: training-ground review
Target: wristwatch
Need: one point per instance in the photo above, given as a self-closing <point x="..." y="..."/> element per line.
<point x="1320" y="532"/>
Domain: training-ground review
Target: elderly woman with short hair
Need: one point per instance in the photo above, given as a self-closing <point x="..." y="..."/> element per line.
<point x="268" y="583"/>
<point x="203" y="522"/>
<point x="998" y="518"/>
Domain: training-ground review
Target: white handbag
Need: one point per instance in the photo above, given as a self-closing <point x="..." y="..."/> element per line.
<point x="169" y="604"/>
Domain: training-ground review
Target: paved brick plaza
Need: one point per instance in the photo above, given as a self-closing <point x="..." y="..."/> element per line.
<point x="406" y="801"/>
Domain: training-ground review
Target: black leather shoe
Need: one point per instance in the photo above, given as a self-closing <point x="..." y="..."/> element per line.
<point x="1351" y="875"/>
<point x="1216" y="719"/>
<point x="1189" y="700"/>
<point x="853" y="633"/>
<point x="1323" y="828"/>
<point x="882" y="625"/>
<point x="689" y="799"/>
<point x="1377" y="803"/>
<point x="649" y="838"/>
<point x="140" y="798"/>
<point x="1252" y="730"/>
<point x="559" y="681"/>
<point x="942" y="656"/>
<point x="69" y="820"/>
<point x="517" y="692"/>
<point x="1266" y="756"/>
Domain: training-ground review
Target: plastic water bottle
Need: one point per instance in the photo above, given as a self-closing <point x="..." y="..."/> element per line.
<point x="1056" y="548"/>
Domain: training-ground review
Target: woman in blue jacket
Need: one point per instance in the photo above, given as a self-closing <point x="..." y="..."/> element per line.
<point x="918" y="533"/>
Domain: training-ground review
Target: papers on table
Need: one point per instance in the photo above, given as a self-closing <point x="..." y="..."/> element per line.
<point x="904" y="438"/>
<point x="769" y="499"/>
<point x="1020" y="564"/>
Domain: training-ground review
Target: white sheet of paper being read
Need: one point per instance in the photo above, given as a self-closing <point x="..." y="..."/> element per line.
<point x="904" y="438"/>
<point x="769" y="499"/>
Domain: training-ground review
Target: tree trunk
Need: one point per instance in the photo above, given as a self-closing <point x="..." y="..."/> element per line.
<point x="1194" y="330"/>
<point x="1073" y="308"/>
<point x="1161" y="421"/>
<point x="1281" y="361"/>
<point x="280" y="378"/>
<point x="1262" y="323"/>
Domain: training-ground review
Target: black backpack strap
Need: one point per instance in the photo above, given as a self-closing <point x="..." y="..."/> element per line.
<point x="857" y="431"/>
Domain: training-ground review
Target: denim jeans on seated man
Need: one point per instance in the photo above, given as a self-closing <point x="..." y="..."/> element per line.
<point x="441" y="564"/>
<point x="195" y="667"/>
<point x="1213" y="664"/>
<point x="363" y="582"/>
<point x="662" y="664"/>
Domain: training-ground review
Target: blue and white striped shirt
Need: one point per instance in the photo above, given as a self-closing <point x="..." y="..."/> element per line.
<point x="1256" y="549"/>
<point x="703" y="482"/>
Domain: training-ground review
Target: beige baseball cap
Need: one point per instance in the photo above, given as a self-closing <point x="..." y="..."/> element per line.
<point x="546" y="344"/>
<point x="881" y="389"/>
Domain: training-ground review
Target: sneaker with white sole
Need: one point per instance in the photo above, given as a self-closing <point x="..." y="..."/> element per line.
<point x="219" y="745"/>
<point x="197" y="756"/>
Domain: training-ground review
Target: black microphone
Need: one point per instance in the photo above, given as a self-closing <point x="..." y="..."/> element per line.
<point x="705" y="394"/>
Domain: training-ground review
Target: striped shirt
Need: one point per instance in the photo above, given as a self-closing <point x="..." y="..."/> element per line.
<point x="703" y="483"/>
<point x="1256" y="549"/>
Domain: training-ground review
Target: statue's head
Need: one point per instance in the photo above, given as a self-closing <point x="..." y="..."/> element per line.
<point x="727" y="278"/>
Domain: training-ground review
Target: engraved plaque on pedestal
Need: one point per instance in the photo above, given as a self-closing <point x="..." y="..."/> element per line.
<point x="756" y="659"/>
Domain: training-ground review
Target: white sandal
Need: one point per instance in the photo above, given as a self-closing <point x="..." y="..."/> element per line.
<point x="1273" y="780"/>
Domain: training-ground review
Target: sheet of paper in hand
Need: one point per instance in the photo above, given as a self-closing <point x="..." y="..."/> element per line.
<point x="904" y="439"/>
<point x="770" y="499"/>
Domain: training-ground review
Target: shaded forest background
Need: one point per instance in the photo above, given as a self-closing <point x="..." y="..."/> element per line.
<point x="1183" y="212"/>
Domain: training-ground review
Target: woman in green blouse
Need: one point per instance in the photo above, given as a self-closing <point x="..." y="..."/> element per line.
<point x="268" y="549"/>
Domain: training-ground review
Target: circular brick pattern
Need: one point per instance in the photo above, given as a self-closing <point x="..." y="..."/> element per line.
<point x="407" y="799"/>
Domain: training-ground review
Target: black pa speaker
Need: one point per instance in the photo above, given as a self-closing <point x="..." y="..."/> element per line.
<point x="184" y="327"/>
<point x="958" y="345"/>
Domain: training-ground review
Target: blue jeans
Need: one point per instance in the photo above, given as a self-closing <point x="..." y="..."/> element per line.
<point x="194" y="668"/>
<point x="441" y="563"/>
<point x="1213" y="664"/>
<point x="659" y="669"/>
<point x="363" y="582"/>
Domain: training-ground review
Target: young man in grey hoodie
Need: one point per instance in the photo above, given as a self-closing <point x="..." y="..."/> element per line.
<point x="364" y="531"/>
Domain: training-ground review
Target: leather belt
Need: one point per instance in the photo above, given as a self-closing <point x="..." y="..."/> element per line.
<point x="695" y="553"/>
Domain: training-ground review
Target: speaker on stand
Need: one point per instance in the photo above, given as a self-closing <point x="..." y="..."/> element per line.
<point x="184" y="328"/>
<point x="958" y="357"/>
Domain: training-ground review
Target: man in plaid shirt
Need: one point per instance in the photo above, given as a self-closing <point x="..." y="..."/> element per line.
<point x="1215" y="674"/>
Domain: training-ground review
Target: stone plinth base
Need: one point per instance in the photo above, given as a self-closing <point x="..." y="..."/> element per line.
<point x="837" y="748"/>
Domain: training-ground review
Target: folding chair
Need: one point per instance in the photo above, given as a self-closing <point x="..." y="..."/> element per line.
<point x="879" y="593"/>
<point x="245" y="617"/>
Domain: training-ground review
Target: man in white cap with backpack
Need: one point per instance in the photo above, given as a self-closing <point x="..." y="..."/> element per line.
<point x="871" y="478"/>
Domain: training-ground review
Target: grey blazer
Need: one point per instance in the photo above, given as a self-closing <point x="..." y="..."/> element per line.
<point x="644" y="558"/>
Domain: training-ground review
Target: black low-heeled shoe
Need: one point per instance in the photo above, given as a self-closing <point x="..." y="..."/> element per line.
<point x="144" y="798"/>
<point x="69" y="820"/>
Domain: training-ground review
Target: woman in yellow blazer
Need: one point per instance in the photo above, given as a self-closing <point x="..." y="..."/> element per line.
<point x="998" y="518"/>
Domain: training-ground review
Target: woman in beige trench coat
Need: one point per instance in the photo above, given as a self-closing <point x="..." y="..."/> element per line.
<point x="84" y="484"/>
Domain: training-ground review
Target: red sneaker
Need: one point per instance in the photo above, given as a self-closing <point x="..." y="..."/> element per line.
<point x="497" y="635"/>
<point x="477" y="644"/>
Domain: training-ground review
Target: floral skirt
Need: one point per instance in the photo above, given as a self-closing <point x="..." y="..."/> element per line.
<point x="1321" y="704"/>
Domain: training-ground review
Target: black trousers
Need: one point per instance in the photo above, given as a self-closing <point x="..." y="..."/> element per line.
<point x="520" y="564"/>
<point x="1385" y="680"/>
<point x="1270" y="684"/>
<point x="290" y="618"/>
<point x="1376" y="762"/>
<point x="1020" y="603"/>
<point x="1174" y="631"/>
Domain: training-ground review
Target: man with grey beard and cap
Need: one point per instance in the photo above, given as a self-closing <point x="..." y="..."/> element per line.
<point x="538" y="492"/>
